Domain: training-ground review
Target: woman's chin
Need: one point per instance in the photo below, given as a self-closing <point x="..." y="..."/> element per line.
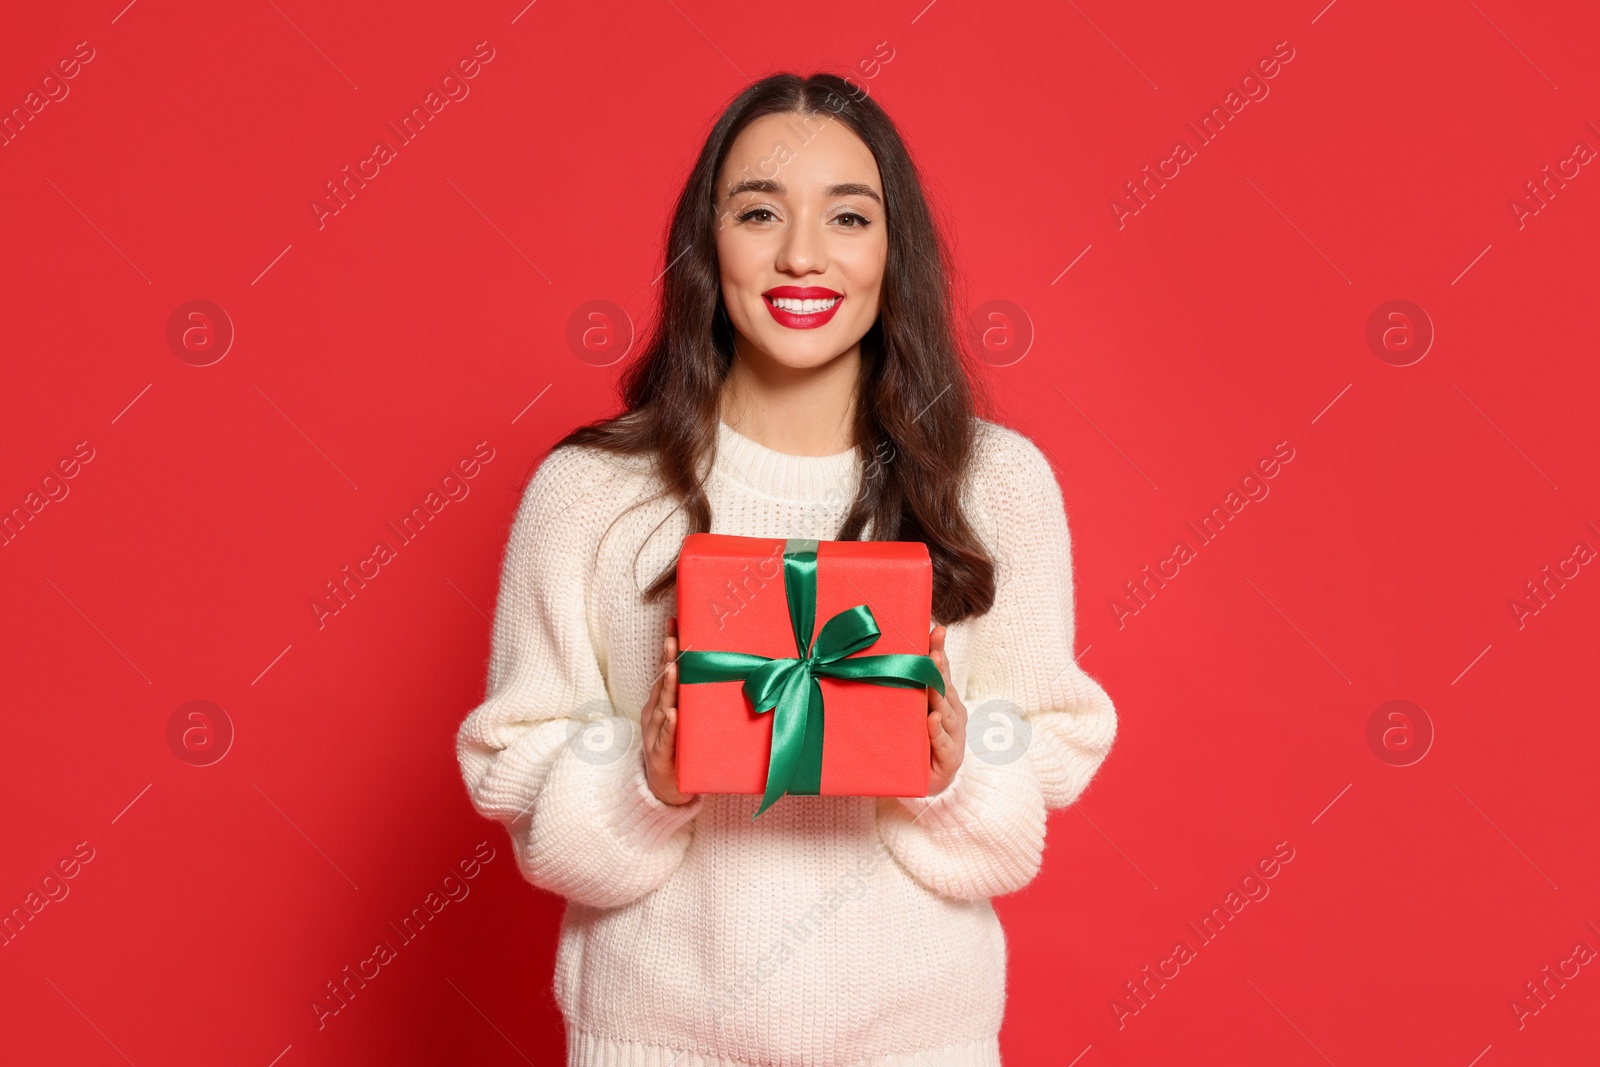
<point x="791" y="354"/>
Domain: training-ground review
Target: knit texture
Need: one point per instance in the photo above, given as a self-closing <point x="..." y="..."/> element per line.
<point x="832" y="931"/>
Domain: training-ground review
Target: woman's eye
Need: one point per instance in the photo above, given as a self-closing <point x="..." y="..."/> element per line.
<point x="762" y="214"/>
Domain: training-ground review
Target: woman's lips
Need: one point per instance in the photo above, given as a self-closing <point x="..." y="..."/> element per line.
<point x="796" y="320"/>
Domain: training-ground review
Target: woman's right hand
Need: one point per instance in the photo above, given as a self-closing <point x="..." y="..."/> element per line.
<point x="659" y="722"/>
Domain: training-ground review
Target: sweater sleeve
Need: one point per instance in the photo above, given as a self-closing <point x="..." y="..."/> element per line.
<point x="547" y="754"/>
<point x="1038" y="726"/>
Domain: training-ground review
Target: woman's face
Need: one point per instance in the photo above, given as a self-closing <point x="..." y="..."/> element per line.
<point x="802" y="239"/>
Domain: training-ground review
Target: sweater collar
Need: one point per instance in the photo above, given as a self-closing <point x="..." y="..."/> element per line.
<point x="804" y="479"/>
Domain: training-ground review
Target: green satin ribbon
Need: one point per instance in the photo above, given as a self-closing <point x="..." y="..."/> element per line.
<point x="788" y="686"/>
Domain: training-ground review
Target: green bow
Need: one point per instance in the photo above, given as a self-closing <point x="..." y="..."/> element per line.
<point x="790" y="685"/>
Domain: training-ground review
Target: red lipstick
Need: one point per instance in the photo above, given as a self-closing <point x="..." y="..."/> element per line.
<point x="797" y="320"/>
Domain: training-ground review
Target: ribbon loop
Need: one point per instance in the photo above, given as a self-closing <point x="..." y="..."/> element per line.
<point x="847" y="632"/>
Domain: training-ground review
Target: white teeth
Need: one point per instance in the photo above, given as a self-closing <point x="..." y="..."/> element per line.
<point x="804" y="307"/>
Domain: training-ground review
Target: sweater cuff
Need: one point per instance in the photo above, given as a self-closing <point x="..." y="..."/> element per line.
<point x="983" y="836"/>
<point x="616" y="795"/>
<point x="970" y="797"/>
<point x="643" y="816"/>
<point x="585" y="824"/>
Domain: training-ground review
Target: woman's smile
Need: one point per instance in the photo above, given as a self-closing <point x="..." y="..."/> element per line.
<point x="802" y="307"/>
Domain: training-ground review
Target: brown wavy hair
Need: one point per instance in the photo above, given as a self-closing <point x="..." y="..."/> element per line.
<point x="915" y="403"/>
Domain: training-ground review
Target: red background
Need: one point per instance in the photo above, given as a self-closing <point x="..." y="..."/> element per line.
<point x="375" y="352"/>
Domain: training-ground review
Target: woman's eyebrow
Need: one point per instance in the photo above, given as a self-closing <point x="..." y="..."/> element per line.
<point x="776" y="188"/>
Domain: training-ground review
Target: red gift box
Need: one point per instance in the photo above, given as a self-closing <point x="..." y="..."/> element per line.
<point x="734" y="595"/>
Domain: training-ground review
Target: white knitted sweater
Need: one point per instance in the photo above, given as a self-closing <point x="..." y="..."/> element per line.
<point x="831" y="931"/>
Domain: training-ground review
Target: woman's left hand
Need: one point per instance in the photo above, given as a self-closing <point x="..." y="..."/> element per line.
<point x="947" y="720"/>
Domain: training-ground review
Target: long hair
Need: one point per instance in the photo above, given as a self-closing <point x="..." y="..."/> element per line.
<point x="914" y="411"/>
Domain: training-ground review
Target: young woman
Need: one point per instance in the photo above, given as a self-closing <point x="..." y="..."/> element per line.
<point x="804" y="380"/>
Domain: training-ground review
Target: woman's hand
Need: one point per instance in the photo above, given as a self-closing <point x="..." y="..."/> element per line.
<point x="947" y="721"/>
<point x="659" y="722"/>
